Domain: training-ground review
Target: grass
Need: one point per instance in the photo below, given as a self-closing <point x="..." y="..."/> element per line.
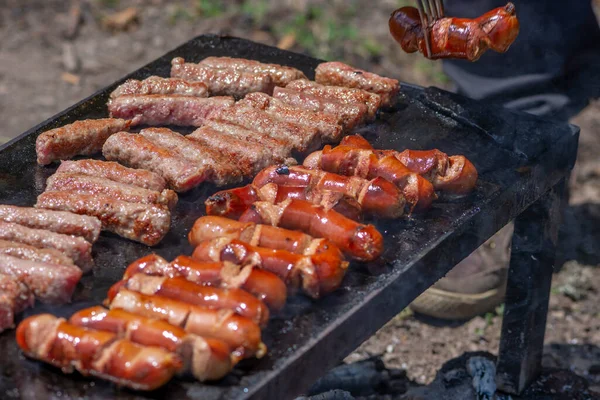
<point x="109" y="3"/>
<point x="209" y="8"/>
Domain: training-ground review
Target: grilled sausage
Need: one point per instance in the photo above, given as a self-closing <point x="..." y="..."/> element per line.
<point x="144" y="223"/>
<point x="56" y="221"/>
<point x="456" y="37"/>
<point x="366" y="163"/>
<point x="79" y="138"/>
<point x="280" y="74"/>
<point x="344" y="95"/>
<point x="115" y="172"/>
<point x="335" y="73"/>
<point x="361" y="242"/>
<point x="76" y="248"/>
<point x="85" y="184"/>
<point x="207" y="359"/>
<point x="238" y="300"/>
<point x="50" y="283"/>
<point x="241" y="334"/>
<point x="319" y="271"/>
<point x="159" y="85"/>
<point x="377" y="196"/>
<point x="264" y="285"/>
<point x="454" y="174"/>
<point x="54" y="341"/>
<point x="234" y="202"/>
<point x="136" y="151"/>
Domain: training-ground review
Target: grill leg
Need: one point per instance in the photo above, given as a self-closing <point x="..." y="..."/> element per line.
<point x="528" y="291"/>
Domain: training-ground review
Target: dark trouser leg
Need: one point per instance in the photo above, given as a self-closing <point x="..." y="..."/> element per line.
<point x="528" y="291"/>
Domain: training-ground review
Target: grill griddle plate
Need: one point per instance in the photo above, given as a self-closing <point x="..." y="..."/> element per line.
<point x="518" y="157"/>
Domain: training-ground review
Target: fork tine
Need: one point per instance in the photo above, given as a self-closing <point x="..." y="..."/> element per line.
<point x="433" y="12"/>
<point x="425" y="26"/>
<point x="440" y="7"/>
<point x="427" y="7"/>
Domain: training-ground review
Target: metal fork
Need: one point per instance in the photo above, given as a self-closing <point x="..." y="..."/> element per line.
<point x="429" y="12"/>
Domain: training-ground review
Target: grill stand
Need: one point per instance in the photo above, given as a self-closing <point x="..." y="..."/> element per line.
<point x="528" y="291"/>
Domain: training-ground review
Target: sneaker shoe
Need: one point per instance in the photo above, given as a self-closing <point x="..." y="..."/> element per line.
<point x="474" y="286"/>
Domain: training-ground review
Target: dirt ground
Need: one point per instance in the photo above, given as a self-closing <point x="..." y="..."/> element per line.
<point x="54" y="53"/>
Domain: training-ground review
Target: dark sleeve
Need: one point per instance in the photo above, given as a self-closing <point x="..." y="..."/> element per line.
<point x="551" y="33"/>
<point x="553" y="67"/>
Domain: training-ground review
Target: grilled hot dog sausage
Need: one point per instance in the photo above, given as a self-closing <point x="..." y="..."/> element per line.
<point x="205" y="358"/>
<point x="102" y="354"/>
<point x="241" y="334"/>
<point x="456" y="37"/>
<point x="237" y="300"/>
<point x="264" y="285"/>
<point x="318" y="271"/>
<point x="453" y="174"/>
<point x="362" y="242"/>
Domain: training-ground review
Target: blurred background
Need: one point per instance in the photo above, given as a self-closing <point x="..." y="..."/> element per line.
<point x="54" y="53"/>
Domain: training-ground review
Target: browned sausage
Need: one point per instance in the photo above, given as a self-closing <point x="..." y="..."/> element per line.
<point x="361" y="242"/>
<point x="319" y="271"/>
<point x="241" y="334"/>
<point x="237" y="300"/>
<point x="53" y="340"/>
<point x="456" y="37"/>
<point x="262" y="284"/>
<point x="366" y="163"/>
<point x="377" y="196"/>
<point x="205" y="358"/>
<point x="454" y="174"/>
<point x="234" y="202"/>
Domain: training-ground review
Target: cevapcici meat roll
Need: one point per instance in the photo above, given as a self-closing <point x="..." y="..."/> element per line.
<point x="329" y="126"/>
<point x="280" y="74"/>
<point x="56" y="221"/>
<point x="144" y="223"/>
<point x="350" y="115"/>
<point x="318" y="271"/>
<point x="14" y="298"/>
<point x="76" y="248"/>
<point x="361" y="242"/>
<point x="234" y="202"/>
<point x="50" y="339"/>
<point x="207" y="359"/>
<point x="221" y="169"/>
<point x="376" y="196"/>
<point x="222" y="81"/>
<point x="50" y="283"/>
<point x="250" y="157"/>
<point x="31" y="253"/>
<point x="158" y="109"/>
<point x="454" y="174"/>
<point x="278" y="147"/>
<point x="342" y="94"/>
<point x="179" y="288"/>
<point x="86" y="184"/>
<point x="136" y="151"/>
<point x="365" y="163"/>
<point x="339" y="74"/>
<point x="300" y="138"/>
<point x="262" y="284"/>
<point x="158" y="85"/>
<point x="79" y="138"/>
<point x="115" y="172"/>
<point x="241" y="334"/>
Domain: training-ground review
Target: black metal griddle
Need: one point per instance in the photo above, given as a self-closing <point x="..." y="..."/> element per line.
<point x="523" y="162"/>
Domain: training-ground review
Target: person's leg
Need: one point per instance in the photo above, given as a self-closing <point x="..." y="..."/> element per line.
<point x="552" y="70"/>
